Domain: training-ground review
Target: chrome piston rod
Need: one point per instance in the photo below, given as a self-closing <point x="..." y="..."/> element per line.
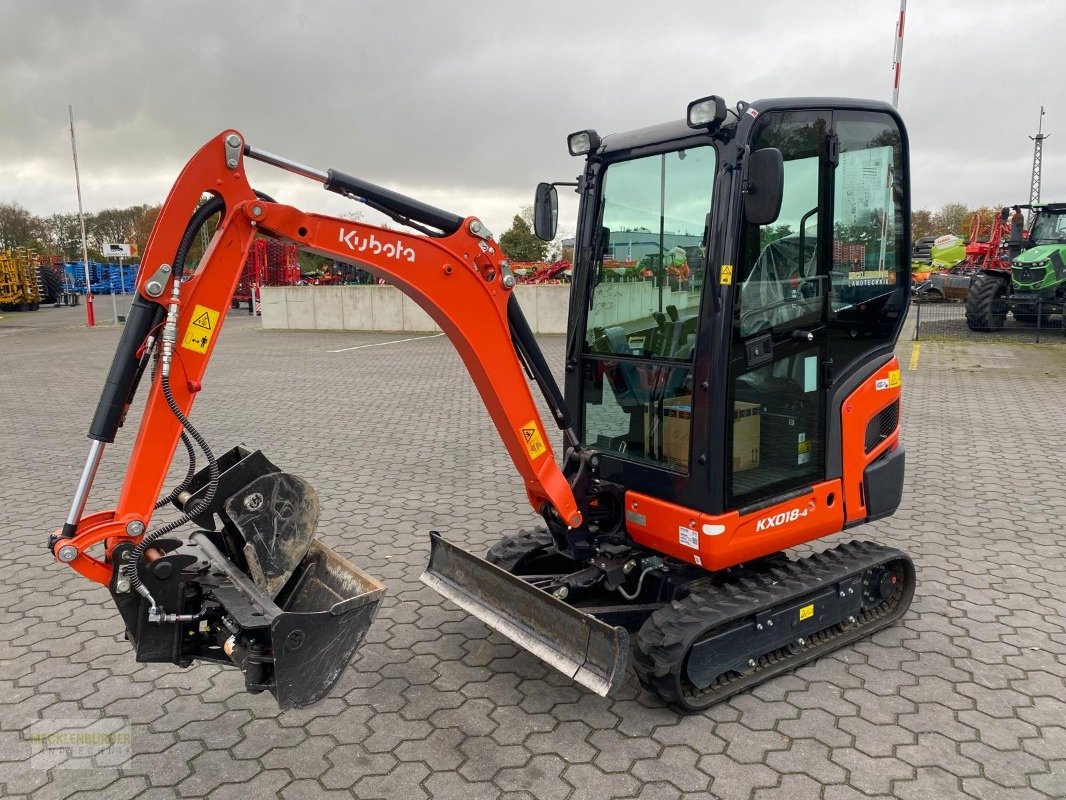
<point x="85" y="483"/>
<point x="285" y="164"/>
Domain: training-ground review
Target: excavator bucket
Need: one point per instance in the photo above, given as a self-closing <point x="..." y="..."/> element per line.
<point x="259" y="591"/>
<point x="580" y="646"/>
<point x="296" y="650"/>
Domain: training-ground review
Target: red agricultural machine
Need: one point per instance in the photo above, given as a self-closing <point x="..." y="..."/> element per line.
<point x="988" y="252"/>
<point x="989" y="248"/>
<point x="269" y="264"/>
<point x="542" y="271"/>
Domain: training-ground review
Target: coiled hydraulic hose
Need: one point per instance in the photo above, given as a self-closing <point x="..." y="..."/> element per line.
<point x="207" y="210"/>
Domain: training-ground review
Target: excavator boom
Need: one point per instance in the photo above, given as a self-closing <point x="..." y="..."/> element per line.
<point x="455" y="272"/>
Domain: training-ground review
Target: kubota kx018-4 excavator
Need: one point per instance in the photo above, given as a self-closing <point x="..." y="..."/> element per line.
<point x="708" y="424"/>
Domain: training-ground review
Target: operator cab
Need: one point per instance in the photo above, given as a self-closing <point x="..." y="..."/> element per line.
<point x="1049" y="225"/>
<point x="737" y="275"/>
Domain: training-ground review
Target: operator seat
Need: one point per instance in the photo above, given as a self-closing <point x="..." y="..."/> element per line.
<point x="623" y="377"/>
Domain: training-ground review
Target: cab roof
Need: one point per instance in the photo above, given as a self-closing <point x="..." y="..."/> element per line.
<point x="651" y="135"/>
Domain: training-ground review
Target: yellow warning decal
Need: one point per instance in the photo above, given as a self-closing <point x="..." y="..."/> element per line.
<point x="201" y="329"/>
<point x="807" y="612"/>
<point x="727" y="275"/>
<point x="893" y="378"/>
<point x="534" y="441"/>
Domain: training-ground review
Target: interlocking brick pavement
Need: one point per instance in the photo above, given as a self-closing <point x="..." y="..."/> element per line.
<point x="964" y="698"/>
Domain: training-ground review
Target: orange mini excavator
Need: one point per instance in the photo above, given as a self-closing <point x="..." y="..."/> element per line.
<point x="707" y="425"/>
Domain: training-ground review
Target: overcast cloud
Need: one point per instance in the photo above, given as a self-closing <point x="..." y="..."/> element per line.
<point x="466" y="104"/>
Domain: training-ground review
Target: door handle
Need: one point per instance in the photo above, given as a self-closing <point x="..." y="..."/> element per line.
<point x="801" y="335"/>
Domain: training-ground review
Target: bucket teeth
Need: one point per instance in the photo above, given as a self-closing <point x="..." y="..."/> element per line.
<point x="580" y="646"/>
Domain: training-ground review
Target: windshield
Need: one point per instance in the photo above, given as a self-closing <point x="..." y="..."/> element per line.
<point x="1049" y="228"/>
<point x="644" y="305"/>
<point x="647" y="280"/>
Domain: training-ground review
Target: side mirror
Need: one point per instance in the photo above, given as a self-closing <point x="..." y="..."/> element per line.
<point x="764" y="184"/>
<point x="545" y="212"/>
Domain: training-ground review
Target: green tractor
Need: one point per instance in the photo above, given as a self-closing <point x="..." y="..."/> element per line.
<point x="1029" y="280"/>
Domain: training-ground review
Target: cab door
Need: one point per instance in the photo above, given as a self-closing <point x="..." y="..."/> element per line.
<point x="820" y="296"/>
<point x="779" y="359"/>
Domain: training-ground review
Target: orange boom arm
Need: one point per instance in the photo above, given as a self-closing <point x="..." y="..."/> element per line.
<point x="460" y="278"/>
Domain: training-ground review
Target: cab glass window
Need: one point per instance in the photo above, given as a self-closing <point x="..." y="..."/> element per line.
<point x="866" y="222"/>
<point x="646" y="290"/>
<point x="777" y="429"/>
<point x="781" y="274"/>
<point x="644" y="300"/>
<point x="870" y="261"/>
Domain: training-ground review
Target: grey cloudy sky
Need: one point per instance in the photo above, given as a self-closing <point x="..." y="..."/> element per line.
<point x="466" y="104"/>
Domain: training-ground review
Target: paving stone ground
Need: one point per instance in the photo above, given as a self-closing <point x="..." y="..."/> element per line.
<point x="964" y="698"/>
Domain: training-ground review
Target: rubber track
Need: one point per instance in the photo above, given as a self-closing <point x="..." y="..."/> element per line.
<point x="509" y="551"/>
<point x="664" y="641"/>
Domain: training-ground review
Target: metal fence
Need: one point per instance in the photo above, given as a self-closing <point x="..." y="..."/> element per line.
<point x="946" y="321"/>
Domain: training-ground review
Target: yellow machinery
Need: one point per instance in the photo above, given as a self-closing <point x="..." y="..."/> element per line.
<point x="19" y="280"/>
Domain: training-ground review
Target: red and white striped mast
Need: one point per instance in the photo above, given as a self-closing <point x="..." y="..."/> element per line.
<point x="897" y="57"/>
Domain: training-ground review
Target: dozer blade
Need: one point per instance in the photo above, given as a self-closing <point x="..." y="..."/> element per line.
<point x="580" y="646"/>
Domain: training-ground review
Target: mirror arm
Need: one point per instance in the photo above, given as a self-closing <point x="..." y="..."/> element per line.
<point x="745" y="159"/>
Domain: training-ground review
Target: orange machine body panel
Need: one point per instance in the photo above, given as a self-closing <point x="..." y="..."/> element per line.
<point x="874" y="395"/>
<point x="719" y="541"/>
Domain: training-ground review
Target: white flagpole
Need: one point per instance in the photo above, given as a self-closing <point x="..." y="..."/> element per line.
<point x="89" y="311"/>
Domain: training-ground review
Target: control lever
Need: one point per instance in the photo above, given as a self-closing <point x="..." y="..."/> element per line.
<point x="803" y="336"/>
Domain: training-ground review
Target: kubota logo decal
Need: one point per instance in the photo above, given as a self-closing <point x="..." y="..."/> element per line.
<point x="783" y="518"/>
<point x="360" y="244"/>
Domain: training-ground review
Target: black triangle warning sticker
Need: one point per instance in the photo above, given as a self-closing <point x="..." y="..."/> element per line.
<point x="529" y="433"/>
<point x="203" y="321"/>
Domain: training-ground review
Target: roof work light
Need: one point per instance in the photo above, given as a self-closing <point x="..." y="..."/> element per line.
<point x="707" y="112"/>
<point x="583" y="142"/>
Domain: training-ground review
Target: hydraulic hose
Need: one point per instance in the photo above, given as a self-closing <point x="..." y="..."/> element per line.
<point x="640" y="583"/>
<point x="156" y="614"/>
<point x="215" y="205"/>
<point x="208" y="209"/>
<point x="189" y="475"/>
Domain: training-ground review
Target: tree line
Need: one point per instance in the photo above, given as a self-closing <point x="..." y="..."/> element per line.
<point x="951" y="218"/>
<point x="60" y="234"/>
